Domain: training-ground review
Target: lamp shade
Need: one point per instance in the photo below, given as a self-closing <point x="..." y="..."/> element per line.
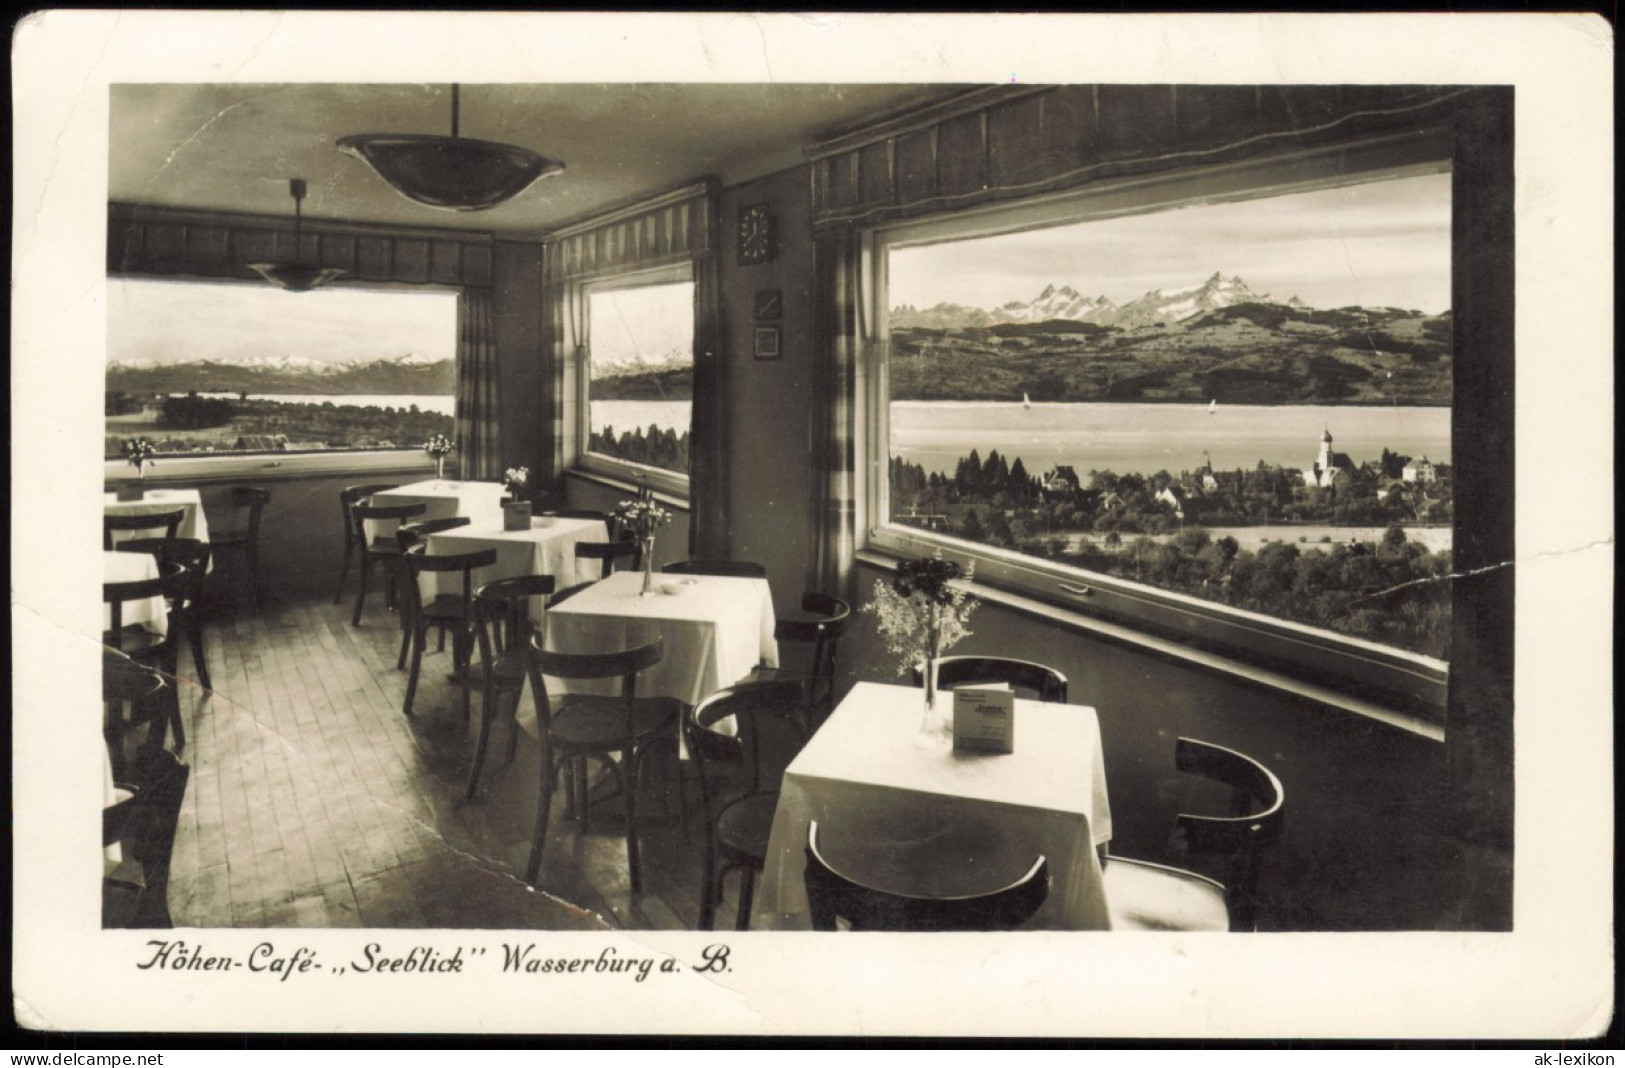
<point x="296" y="277"/>
<point x="459" y="173"/>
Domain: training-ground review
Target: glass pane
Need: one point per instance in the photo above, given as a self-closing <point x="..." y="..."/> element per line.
<point x="641" y="383"/>
<point x="1246" y="402"/>
<point x="221" y="367"/>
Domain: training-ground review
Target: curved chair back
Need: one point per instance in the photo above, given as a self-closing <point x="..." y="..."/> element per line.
<point x="364" y="512"/>
<point x="625" y="663"/>
<point x="565" y="594"/>
<point x="168" y="522"/>
<point x="952" y="671"/>
<point x="503" y="613"/>
<point x="115" y="595"/>
<point x="823" y="632"/>
<point x="409" y="534"/>
<point x="250" y="501"/>
<point x="418" y="561"/>
<point x="1257" y="816"/>
<point x="832" y="895"/>
<point x="725" y="568"/>
<point x="190" y="555"/>
<point x="762" y="712"/>
<point x="609" y="552"/>
<point x="350" y="496"/>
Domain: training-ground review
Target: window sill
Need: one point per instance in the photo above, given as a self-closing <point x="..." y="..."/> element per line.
<point x="272" y="466"/>
<point x="1168" y="649"/>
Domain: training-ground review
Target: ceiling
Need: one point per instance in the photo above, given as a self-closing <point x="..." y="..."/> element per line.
<point x="234" y="147"/>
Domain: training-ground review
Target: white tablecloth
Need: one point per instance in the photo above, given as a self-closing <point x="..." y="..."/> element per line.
<point x="717" y="631"/>
<point x="194" y="524"/>
<point x="1050" y="794"/>
<point x="547" y="548"/>
<point x="442" y="500"/>
<point x="149" y="612"/>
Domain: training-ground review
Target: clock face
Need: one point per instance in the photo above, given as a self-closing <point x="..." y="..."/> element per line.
<point x="755" y="234"/>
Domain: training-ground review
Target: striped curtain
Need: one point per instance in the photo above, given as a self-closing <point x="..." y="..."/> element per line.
<point x="557" y="351"/>
<point x="838" y="269"/>
<point x="709" y="499"/>
<point x="478" y="431"/>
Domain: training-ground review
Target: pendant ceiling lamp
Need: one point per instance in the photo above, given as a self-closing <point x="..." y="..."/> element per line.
<point x="298" y="276"/>
<point x="454" y="172"/>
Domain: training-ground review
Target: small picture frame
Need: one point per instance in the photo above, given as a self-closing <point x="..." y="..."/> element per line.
<point x="767" y="343"/>
<point x="768" y="306"/>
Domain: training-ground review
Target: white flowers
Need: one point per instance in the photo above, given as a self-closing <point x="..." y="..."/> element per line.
<point x="515" y="479"/>
<point x="920" y="613"/>
<point x="438" y="446"/>
<point x="139" y="452"/>
<point x="642" y="516"/>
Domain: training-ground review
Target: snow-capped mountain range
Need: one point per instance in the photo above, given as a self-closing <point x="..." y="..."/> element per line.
<point x="287" y="363"/>
<point x="1064" y="302"/>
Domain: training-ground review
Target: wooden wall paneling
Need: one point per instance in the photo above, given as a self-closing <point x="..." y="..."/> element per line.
<point x="962" y="154"/>
<point x="1215" y="114"/>
<point x="445" y="262"/>
<point x="411" y="260"/>
<point x="875" y="174"/>
<point x="1017" y="142"/>
<point x="1134" y="120"/>
<point x="253" y="246"/>
<point x="916" y="166"/>
<point x="477" y="265"/>
<point x="337" y="250"/>
<point x="374" y="259"/>
<point x="163" y="245"/>
<point x="207" y="246"/>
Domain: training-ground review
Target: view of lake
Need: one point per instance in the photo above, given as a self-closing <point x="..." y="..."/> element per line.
<point x="1147" y="438"/>
<point x="443" y="403"/>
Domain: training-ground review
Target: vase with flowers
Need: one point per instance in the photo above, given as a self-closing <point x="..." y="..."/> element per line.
<point x="139" y="452"/>
<point x="921" y="613"/>
<point x="641" y="518"/>
<point x="515" y="506"/>
<point x="439" y="447"/>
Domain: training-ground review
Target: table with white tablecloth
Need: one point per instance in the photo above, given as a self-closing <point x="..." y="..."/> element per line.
<point x="441" y="499"/>
<point x="194" y="524"/>
<point x="546" y="547"/>
<point x="865" y="761"/>
<point x="148" y="612"/>
<point x="717" y="630"/>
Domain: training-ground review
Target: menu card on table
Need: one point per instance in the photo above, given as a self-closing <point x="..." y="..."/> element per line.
<point x="985" y="718"/>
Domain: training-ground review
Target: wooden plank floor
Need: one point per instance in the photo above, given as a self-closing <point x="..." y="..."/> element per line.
<point x="314" y="802"/>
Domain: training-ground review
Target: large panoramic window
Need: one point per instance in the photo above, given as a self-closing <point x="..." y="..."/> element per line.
<point x="639" y="382"/>
<point x="1224" y="398"/>
<point x="211" y="367"/>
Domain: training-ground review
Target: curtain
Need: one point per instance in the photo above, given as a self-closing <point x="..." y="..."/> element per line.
<point x="708" y="485"/>
<point x="478" y="433"/>
<point x="557" y="350"/>
<point x="838" y="270"/>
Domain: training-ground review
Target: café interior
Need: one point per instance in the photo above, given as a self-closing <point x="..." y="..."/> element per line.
<point x="381" y="687"/>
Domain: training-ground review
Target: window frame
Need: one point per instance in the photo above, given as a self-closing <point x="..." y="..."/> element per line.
<point x="208" y="464"/>
<point x="672" y="483"/>
<point x="1366" y="671"/>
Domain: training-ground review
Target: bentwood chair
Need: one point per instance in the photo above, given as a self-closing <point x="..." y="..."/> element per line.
<point x="147" y="649"/>
<point x="836" y="895"/>
<point x="600" y="728"/>
<point x="739" y="815"/>
<point x="136" y="893"/>
<point x="167" y="522"/>
<point x="349" y="497"/>
<point x="725" y="568"/>
<point x="127" y="683"/>
<point x="820" y="634"/>
<point x="1145" y="896"/>
<point x="384" y="550"/>
<point x="240" y="537"/>
<point x="186" y="590"/>
<point x="504" y="629"/>
<point x="954" y="671"/>
<point x="450" y="611"/>
<point x="408" y="535"/>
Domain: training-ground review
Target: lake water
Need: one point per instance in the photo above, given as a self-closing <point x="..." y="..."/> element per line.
<point x="1143" y="438"/>
<point x="426" y="402"/>
<point x="1147" y="438"/>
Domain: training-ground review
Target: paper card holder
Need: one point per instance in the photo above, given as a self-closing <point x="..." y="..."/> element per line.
<point x="985" y="719"/>
<point x="516" y="515"/>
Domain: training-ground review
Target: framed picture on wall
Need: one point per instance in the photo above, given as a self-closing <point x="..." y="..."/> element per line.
<point x="767" y="342"/>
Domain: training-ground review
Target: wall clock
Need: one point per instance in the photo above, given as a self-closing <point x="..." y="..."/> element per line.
<point x="755" y="234"/>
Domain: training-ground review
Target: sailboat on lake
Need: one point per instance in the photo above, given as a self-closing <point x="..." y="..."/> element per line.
<point x="1026" y="401"/>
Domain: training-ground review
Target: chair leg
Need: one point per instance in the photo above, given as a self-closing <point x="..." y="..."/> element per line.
<point x="747" y="892"/>
<point x="544" y="804"/>
<point x="344" y="571"/>
<point x="420" y="638"/>
<point x="488" y="712"/>
<point x="176" y="724"/>
<point x="629" y="788"/>
<point x="200" y="660"/>
<point x="361" y="596"/>
<point x="460" y="654"/>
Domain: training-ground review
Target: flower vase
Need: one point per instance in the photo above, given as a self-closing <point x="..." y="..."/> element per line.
<point x="936" y="725"/>
<point x="439" y="468"/>
<point x="648" y="566"/>
<point x="133" y="491"/>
